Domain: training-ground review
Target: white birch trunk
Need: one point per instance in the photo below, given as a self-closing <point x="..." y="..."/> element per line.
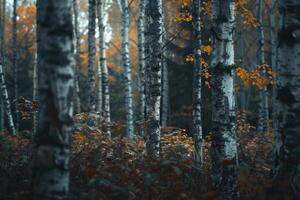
<point x="142" y="66"/>
<point x="102" y="9"/>
<point x="288" y="96"/>
<point x="197" y="76"/>
<point x="56" y="87"/>
<point x="127" y="70"/>
<point x="100" y="45"/>
<point x="5" y="99"/>
<point x="165" y="79"/>
<point x="153" y="39"/>
<point x="15" y="63"/>
<point x="224" y="147"/>
<point x="263" y="110"/>
<point x="77" y="106"/>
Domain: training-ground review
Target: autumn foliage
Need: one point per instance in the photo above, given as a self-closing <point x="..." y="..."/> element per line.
<point x="117" y="168"/>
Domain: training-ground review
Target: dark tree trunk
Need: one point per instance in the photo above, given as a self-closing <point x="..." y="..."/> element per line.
<point x="56" y="87"/>
<point x="153" y="51"/>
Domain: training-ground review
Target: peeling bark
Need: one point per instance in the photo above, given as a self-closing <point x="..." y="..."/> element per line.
<point x="56" y="87"/>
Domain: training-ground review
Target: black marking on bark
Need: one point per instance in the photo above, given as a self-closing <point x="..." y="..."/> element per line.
<point x="53" y="113"/>
<point x="221" y="69"/>
<point x="285" y="96"/>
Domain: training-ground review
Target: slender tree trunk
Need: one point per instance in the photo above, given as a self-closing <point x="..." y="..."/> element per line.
<point x="101" y="36"/>
<point x="288" y="96"/>
<point x="164" y="93"/>
<point x="35" y="94"/>
<point x="2" y="29"/>
<point x="224" y="147"/>
<point x="127" y="68"/>
<point x="274" y="65"/>
<point x="102" y="5"/>
<point x="77" y="58"/>
<point x="153" y="33"/>
<point x="15" y="62"/>
<point x="91" y="56"/>
<point x="273" y="57"/>
<point x="56" y="87"/>
<point x="4" y="96"/>
<point x="241" y="55"/>
<point x="142" y="65"/>
<point x="197" y="122"/>
<point x="165" y="79"/>
<point x="263" y="110"/>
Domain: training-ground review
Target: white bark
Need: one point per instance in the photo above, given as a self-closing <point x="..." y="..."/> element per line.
<point x="142" y="66"/>
<point x="165" y="79"/>
<point x="127" y="70"/>
<point x="153" y="33"/>
<point x="77" y="106"/>
<point x="5" y="99"/>
<point x="56" y="87"/>
<point x="103" y="6"/>
<point x="197" y="72"/>
<point x="288" y="95"/>
<point x="15" y="62"/>
<point x="263" y="110"/>
<point x="224" y="147"/>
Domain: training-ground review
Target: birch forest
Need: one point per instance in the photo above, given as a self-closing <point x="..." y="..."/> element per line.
<point x="150" y="99"/>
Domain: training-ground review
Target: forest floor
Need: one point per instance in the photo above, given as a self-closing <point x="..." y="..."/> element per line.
<point x="104" y="168"/>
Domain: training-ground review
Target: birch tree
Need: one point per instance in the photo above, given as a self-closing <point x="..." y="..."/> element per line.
<point x="77" y="106"/>
<point x="5" y="100"/>
<point x="6" y="107"/>
<point x="91" y="56"/>
<point x="15" y="61"/>
<point x="287" y="154"/>
<point x="153" y="50"/>
<point x="127" y="69"/>
<point x="2" y="28"/>
<point x="56" y="87"/>
<point x="142" y="65"/>
<point x="103" y="6"/>
<point x="35" y="93"/>
<point x="165" y="79"/>
<point x="273" y="60"/>
<point x="263" y="112"/>
<point x="197" y="71"/>
<point x="223" y="148"/>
